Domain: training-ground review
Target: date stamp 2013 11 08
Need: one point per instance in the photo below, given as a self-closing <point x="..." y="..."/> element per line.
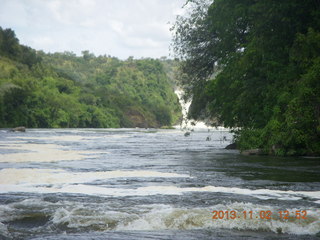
<point x="268" y="215"/>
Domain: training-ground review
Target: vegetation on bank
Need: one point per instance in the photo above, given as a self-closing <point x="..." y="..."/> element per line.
<point x="64" y="90"/>
<point x="254" y="66"/>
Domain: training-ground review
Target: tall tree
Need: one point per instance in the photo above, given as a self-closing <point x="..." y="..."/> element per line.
<point x="238" y="64"/>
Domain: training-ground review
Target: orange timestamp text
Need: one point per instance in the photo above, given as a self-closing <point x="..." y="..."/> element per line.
<point x="233" y="214"/>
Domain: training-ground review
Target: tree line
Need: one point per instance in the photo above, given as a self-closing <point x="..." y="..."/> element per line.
<point x="46" y="90"/>
<point x="254" y="66"/>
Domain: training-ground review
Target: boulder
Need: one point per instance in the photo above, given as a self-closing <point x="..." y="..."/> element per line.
<point x="248" y="152"/>
<point x="18" y="129"/>
<point x="187" y="134"/>
<point x="231" y="146"/>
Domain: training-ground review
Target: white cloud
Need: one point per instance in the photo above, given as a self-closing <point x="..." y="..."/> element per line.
<point x="120" y="28"/>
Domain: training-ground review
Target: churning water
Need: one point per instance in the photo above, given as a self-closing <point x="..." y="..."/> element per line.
<point x="151" y="184"/>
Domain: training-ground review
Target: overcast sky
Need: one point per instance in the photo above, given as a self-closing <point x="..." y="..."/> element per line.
<point x="119" y="28"/>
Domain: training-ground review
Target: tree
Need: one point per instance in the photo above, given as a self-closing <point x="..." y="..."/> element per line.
<point x="63" y="90"/>
<point x="238" y="66"/>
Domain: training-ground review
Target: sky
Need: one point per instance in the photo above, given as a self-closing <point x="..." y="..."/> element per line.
<point x="120" y="28"/>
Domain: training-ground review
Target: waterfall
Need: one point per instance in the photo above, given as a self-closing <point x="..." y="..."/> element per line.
<point x="186" y="123"/>
<point x="190" y="125"/>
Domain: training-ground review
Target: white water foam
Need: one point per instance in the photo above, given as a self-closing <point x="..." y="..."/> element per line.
<point x="53" y="138"/>
<point x="69" y="138"/>
<point x="38" y="153"/>
<point x="162" y="217"/>
<point x="31" y="176"/>
<point x="61" y="181"/>
<point x="168" y="217"/>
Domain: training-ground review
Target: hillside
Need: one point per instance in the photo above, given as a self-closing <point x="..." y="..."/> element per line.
<point x="64" y="90"/>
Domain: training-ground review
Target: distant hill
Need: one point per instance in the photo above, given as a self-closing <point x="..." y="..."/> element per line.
<point x="64" y="90"/>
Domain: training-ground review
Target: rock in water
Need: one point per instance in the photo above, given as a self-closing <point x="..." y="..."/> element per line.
<point x="231" y="146"/>
<point x="187" y="134"/>
<point x="252" y="152"/>
<point x="18" y="129"/>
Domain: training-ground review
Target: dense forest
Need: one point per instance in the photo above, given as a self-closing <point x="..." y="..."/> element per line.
<point x="64" y="90"/>
<point x="254" y="66"/>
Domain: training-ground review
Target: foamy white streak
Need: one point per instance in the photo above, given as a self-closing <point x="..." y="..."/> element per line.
<point x="30" y="176"/>
<point x="54" y="138"/>
<point x="39" y="153"/>
<point x="71" y="183"/>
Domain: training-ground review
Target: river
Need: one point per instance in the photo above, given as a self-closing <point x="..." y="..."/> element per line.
<point x="151" y="184"/>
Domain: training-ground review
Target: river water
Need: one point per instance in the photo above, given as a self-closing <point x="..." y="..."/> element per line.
<point x="151" y="184"/>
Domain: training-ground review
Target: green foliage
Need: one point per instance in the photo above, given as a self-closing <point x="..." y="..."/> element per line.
<point x="254" y="65"/>
<point x="249" y="138"/>
<point x="10" y="47"/>
<point x="63" y="90"/>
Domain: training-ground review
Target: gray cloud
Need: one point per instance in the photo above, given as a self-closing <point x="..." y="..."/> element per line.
<point x="120" y="28"/>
